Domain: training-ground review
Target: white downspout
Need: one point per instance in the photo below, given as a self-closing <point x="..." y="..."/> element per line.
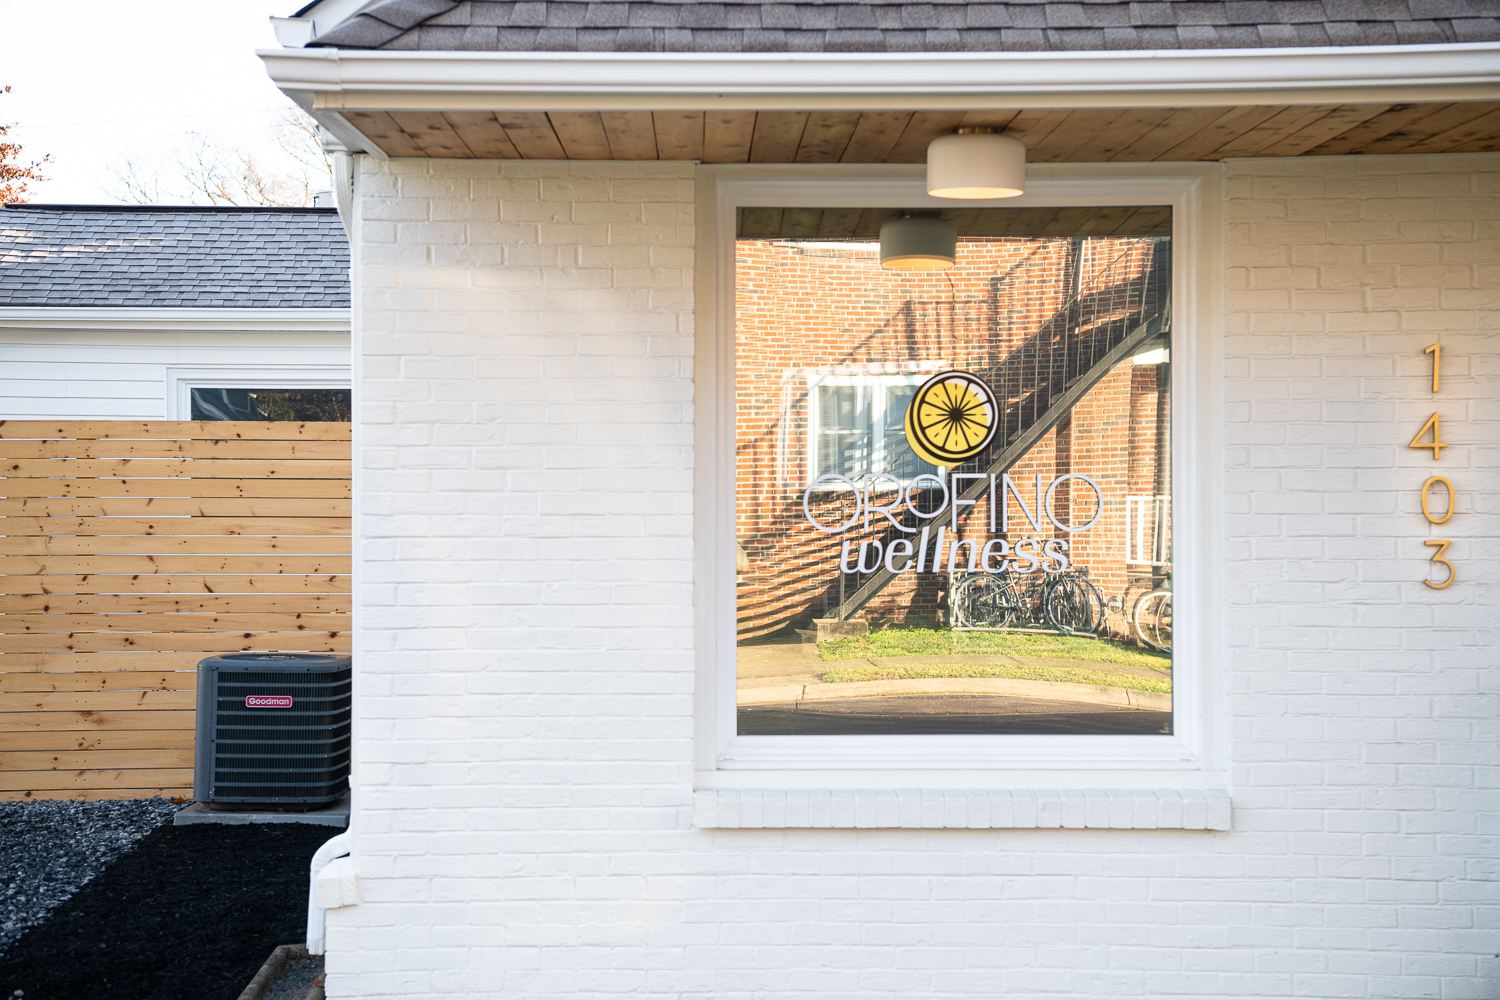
<point x="331" y="885"/>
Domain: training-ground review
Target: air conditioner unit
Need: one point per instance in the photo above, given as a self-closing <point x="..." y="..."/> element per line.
<point x="273" y="729"/>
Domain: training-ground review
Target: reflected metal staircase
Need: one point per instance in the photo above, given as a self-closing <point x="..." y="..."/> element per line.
<point x="1124" y="311"/>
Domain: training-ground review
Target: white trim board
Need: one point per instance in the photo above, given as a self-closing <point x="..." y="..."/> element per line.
<point x="342" y="80"/>
<point x="125" y="318"/>
<point x="1195" y="756"/>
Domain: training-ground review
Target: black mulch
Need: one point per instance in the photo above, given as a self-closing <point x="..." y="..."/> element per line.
<point x="189" y="913"/>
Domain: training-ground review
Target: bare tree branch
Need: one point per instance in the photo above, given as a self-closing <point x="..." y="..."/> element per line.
<point x="206" y="172"/>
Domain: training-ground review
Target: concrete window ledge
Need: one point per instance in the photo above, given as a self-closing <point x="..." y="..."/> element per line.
<point x="961" y="809"/>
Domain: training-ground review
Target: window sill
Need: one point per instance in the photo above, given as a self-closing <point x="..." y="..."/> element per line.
<point x="961" y="809"/>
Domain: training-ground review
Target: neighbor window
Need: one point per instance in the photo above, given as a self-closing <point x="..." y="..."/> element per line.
<point x="317" y="405"/>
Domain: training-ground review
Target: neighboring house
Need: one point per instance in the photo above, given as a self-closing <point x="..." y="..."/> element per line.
<point x="172" y="313"/>
<point x="555" y="793"/>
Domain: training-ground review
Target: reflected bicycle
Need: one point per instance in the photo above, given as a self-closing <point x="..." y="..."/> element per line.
<point x="1064" y="601"/>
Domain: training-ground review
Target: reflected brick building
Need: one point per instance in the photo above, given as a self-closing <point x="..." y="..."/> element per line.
<point x="829" y="348"/>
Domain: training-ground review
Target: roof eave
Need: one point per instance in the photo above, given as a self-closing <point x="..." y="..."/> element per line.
<point x="347" y="80"/>
<point x="233" y="319"/>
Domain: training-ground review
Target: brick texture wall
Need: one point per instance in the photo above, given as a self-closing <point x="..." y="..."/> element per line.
<point x="523" y="818"/>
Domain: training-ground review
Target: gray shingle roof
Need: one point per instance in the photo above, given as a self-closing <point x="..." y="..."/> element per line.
<point x="902" y="26"/>
<point x="185" y="257"/>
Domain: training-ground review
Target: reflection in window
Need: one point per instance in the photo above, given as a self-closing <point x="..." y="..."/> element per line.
<point x="1024" y="589"/>
<point x="311" y="405"/>
<point x="859" y="427"/>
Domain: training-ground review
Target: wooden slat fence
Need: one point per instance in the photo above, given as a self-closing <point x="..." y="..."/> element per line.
<point x="131" y="550"/>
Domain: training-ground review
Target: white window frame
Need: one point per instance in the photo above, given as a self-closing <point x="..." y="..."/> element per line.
<point x="181" y="381"/>
<point x="1177" y="781"/>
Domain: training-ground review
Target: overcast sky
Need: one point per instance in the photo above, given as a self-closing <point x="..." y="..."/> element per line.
<point x="95" y="81"/>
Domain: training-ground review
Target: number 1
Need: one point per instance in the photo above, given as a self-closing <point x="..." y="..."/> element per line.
<point x="1436" y="350"/>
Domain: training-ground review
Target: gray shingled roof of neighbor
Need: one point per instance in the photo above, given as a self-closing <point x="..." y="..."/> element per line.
<point x="902" y="26"/>
<point x="173" y="257"/>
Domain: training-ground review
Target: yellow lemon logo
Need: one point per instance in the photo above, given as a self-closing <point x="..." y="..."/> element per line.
<point x="951" y="418"/>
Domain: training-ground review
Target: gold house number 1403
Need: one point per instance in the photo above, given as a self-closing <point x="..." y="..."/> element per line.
<point x="1433" y="430"/>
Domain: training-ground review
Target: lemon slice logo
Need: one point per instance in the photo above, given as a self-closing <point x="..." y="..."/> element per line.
<point x="951" y="418"/>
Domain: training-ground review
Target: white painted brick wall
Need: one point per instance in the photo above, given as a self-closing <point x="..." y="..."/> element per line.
<point x="524" y="814"/>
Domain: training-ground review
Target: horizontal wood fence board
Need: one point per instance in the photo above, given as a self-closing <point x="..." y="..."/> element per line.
<point x="104" y="778"/>
<point x="95" y="721"/>
<point x="120" y="739"/>
<point x="281" y="430"/>
<point x="174" y="507"/>
<point x="204" y="642"/>
<point x="81" y="760"/>
<point x="173" y="526"/>
<point x="148" y="622"/>
<point x="115" y="680"/>
<point x="134" y="661"/>
<point x="95" y="701"/>
<point x="336" y="489"/>
<point x="129" y="567"/>
<point x="216" y="448"/>
<point x="66" y="545"/>
<point x="94" y="794"/>
<point x="199" y="602"/>
<point x="145" y="527"/>
<point x="165" y="585"/>
<point x="171" y="468"/>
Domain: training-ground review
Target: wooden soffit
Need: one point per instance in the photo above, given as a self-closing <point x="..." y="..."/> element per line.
<point x="1051" y="136"/>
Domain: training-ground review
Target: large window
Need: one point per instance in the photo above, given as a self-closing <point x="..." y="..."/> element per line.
<point x="959" y="543"/>
<point x="964" y="525"/>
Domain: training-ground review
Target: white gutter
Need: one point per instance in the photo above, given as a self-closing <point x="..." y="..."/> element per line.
<point x="239" y="320"/>
<point x="332" y="80"/>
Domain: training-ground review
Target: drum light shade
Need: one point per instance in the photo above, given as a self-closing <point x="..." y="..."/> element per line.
<point x="976" y="164"/>
<point x="918" y="245"/>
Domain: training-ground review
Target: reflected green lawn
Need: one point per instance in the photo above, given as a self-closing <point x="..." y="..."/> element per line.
<point x="944" y="642"/>
<point x="1057" y="675"/>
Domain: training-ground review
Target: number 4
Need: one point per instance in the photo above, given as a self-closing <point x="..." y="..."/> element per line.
<point x="1436" y="442"/>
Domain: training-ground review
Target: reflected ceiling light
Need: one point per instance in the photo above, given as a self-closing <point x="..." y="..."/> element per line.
<point x="908" y="244"/>
<point x="976" y="162"/>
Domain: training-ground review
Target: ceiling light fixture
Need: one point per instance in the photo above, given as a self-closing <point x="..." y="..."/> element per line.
<point x="976" y="162"/>
<point x="908" y="244"/>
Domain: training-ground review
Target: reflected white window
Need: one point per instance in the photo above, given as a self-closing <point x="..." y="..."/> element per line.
<point x="856" y="427"/>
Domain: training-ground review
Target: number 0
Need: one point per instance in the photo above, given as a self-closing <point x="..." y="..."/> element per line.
<point x="1426" y="511"/>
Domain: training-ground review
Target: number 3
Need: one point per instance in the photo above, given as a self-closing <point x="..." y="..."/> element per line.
<point x="1442" y="546"/>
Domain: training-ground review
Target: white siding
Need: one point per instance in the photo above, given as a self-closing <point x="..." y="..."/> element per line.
<point x="73" y="374"/>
